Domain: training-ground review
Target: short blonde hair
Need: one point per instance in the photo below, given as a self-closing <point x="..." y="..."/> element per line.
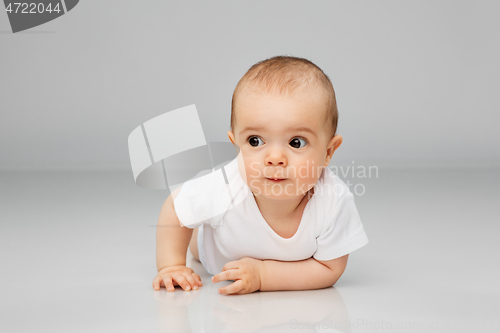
<point x="288" y="75"/>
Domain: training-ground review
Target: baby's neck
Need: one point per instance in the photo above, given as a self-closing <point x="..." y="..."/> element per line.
<point x="276" y="210"/>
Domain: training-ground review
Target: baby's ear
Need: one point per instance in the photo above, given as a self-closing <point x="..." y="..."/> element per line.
<point x="333" y="145"/>
<point x="230" y="135"/>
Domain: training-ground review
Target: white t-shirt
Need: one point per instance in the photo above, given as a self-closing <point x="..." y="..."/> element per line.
<point x="232" y="227"/>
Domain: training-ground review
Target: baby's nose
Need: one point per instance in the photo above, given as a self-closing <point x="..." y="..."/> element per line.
<point x="276" y="159"/>
<point x="270" y="162"/>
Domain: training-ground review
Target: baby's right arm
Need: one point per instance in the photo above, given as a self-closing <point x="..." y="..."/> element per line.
<point x="172" y="241"/>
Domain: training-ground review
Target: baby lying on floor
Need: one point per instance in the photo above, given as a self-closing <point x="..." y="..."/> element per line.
<point x="291" y="222"/>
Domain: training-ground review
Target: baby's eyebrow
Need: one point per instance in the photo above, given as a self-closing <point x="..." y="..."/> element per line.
<point x="296" y="129"/>
<point x="304" y="129"/>
<point x="247" y="129"/>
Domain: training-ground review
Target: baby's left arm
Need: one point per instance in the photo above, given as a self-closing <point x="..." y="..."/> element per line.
<point x="301" y="275"/>
<point x="268" y="275"/>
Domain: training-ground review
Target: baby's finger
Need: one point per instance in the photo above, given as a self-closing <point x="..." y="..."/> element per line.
<point x="167" y="280"/>
<point x="232" y="288"/>
<point x="190" y="278"/>
<point x="181" y="280"/>
<point x="157" y="282"/>
<point x="231" y="274"/>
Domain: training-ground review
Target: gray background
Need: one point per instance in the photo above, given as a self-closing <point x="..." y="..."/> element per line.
<point x="415" y="83"/>
<point x="415" y="80"/>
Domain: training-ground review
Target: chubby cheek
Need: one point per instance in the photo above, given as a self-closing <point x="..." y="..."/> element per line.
<point x="251" y="171"/>
<point x="308" y="175"/>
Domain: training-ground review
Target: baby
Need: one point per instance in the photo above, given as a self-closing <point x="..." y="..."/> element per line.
<point x="294" y="222"/>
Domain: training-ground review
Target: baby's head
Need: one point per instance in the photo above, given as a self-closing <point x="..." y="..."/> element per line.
<point x="284" y="120"/>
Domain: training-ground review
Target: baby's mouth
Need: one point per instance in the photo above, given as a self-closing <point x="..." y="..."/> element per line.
<point x="276" y="180"/>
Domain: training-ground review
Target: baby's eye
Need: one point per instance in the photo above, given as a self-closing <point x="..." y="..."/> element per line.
<point x="298" y="143"/>
<point x="254" y="141"/>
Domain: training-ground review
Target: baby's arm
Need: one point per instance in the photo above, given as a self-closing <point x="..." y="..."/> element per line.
<point x="172" y="241"/>
<point x="301" y="275"/>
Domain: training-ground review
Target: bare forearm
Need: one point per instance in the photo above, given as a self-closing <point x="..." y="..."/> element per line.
<point x="296" y="275"/>
<point x="172" y="239"/>
<point x="171" y="245"/>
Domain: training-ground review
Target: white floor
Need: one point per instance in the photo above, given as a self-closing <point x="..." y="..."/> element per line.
<point x="77" y="254"/>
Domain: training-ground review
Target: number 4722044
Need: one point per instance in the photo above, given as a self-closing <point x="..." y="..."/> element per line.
<point x="31" y="8"/>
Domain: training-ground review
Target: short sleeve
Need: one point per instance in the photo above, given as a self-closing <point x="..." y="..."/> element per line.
<point x="202" y="200"/>
<point x="342" y="231"/>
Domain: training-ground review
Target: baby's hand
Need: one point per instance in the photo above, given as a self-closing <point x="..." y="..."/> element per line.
<point x="180" y="275"/>
<point x="246" y="273"/>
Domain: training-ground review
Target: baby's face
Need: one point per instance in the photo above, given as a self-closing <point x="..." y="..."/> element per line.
<point x="282" y="138"/>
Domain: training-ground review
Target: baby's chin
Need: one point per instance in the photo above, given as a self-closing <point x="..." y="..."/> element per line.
<point x="275" y="197"/>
